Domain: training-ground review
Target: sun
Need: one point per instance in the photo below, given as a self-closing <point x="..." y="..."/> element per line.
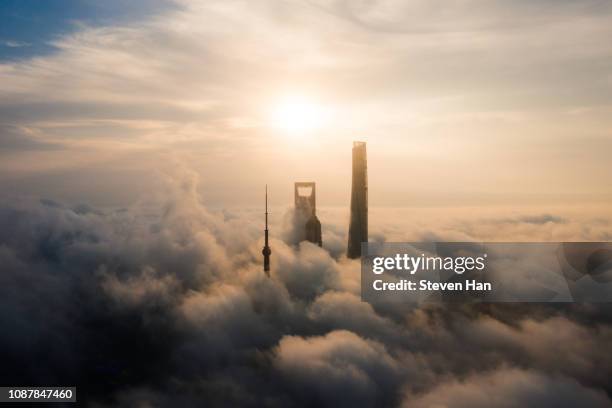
<point x="297" y="115"/>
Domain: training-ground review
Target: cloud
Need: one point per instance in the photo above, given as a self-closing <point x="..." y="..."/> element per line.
<point x="341" y="310"/>
<point x="165" y="303"/>
<point x="535" y="219"/>
<point x="543" y="341"/>
<point x="17" y="139"/>
<point x="339" y="369"/>
<point x="509" y="388"/>
<point x="469" y="88"/>
<point x="15" y="44"/>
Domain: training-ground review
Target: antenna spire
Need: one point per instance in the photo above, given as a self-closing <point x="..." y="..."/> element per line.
<point x="266" y="251"/>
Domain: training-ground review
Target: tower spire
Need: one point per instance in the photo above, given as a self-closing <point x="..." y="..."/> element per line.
<point x="266" y="251"/>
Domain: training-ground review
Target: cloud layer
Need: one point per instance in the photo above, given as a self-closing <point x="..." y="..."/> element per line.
<point x="165" y="304"/>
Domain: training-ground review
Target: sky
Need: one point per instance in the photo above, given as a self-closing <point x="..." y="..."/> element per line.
<point x="30" y="26"/>
<point x="135" y="144"/>
<point x="469" y="103"/>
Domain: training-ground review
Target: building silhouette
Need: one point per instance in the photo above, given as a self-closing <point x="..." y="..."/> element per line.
<point x="358" y="227"/>
<point x="306" y="212"/>
<point x="266" y="251"/>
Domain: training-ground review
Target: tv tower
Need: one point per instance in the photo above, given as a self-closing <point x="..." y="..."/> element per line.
<point x="266" y="251"/>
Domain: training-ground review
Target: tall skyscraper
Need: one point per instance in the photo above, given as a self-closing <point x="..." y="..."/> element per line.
<point x="358" y="227"/>
<point x="306" y="212"/>
<point x="266" y="251"/>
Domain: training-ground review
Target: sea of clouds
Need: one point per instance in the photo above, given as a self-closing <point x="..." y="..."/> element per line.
<point x="165" y="304"/>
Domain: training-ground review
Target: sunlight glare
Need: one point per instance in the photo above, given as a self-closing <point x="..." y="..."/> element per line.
<point x="298" y="115"/>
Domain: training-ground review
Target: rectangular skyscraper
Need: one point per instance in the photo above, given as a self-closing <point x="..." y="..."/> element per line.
<point x="306" y="212"/>
<point x="358" y="227"/>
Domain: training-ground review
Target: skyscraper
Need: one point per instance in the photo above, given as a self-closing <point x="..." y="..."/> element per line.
<point x="266" y="251"/>
<point x="358" y="227"/>
<point x="306" y="212"/>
